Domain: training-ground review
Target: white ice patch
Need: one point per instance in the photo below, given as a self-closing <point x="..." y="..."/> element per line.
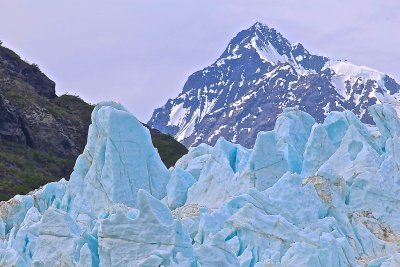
<point x="243" y="99"/>
<point x="346" y="71"/>
<point x="268" y="52"/>
<point x="241" y="80"/>
<point x="216" y="132"/>
<point x="188" y="128"/>
<point x="351" y="71"/>
<point x="340" y="86"/>
<point x="326" y="109"/>
<point x="178" y="113"/>
<point x="357" y="99"/>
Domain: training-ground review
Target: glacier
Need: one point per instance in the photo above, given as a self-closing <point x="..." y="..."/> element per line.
<point x="307" y="194"/>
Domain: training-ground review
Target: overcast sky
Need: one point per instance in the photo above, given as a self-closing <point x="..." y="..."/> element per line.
<point x="140" y="53"/>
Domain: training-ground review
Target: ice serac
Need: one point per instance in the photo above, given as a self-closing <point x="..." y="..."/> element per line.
<point x="308" y="194"/>
<point x="267" y="163"/>
<point x="318" y="149"/>
<point x="118" y="160"/>
<point x="178" y="186"/>
<point x="153" y="238"/>
<point x="385" y="117"/>
<point x="217" y="173"/>
<point x="280" y="150"/>
<point x="292" y="129"/>
<point x="56" y="227"/>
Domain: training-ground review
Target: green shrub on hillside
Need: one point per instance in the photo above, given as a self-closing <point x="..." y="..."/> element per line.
<point x="23" y="169"/>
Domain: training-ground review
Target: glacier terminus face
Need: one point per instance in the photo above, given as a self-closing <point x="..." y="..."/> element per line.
<point x="307" y="194"/>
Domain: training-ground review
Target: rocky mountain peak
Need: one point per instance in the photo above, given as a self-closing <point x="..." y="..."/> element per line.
<point x="271" y="47"/>
<point x="259" y="37"/>
<point x="258" y="75"/>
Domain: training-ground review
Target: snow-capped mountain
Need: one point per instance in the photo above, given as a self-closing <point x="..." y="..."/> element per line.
<point x="256" y="77"/>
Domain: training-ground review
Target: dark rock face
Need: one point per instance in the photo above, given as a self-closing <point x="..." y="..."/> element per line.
<point x="256" y="77"/>
<point x="13" y="68"/>
<point x="50" y="133"/>
<point x="168" y="148"/>
<point x="10" y="123"/>
<point x="30" y="113"/>
<point x="40" y="134"/>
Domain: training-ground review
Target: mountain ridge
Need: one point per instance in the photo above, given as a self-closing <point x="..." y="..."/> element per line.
<point x="259" y="73"/>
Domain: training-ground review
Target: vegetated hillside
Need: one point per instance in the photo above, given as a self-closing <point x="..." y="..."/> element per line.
<point x="169" y="149"/>
<point x="41" y="134"/>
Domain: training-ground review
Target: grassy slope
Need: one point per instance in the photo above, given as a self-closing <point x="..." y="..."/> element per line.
<point x="169" y="149"/>
<point x="23" y="169"/>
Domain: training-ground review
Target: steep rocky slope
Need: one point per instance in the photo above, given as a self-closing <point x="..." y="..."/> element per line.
<point x="41" y="134"/>
<point x="256" y="77"/>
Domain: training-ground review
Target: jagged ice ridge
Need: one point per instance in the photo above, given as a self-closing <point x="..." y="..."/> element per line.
<point x="307" y="194"/>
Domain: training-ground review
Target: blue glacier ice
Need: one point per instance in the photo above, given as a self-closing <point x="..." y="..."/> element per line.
<point x="118" y="160"/>
<point x="308" y="194"/>
<point x="177" y="187"/>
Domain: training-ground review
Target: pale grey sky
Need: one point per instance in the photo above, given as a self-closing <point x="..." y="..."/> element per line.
<point x="140" y="53"/>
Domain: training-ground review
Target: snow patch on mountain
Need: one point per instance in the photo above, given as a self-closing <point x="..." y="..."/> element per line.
<point x="177" y="114"/>
<point x="351" y="71"/>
